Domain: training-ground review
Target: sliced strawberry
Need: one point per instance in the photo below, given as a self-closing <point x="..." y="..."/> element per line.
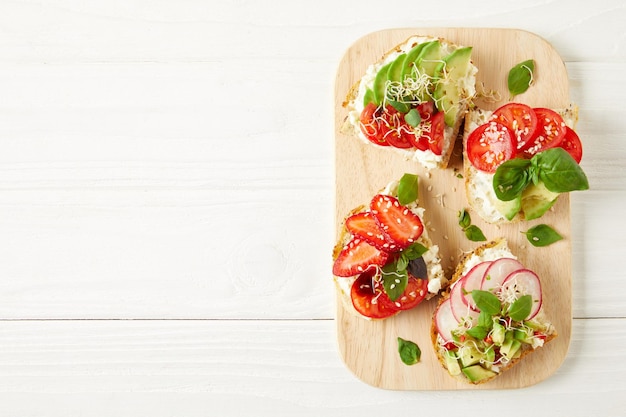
<point x="364" y="226"/>
<point x="399" y="224"/>
<point x="356" y="257"/>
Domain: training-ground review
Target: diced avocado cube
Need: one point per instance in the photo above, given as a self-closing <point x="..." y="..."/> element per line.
<point x="509" y="209"/>
<point x="469" y="355"/>
<point x="497" y="335"/>
<point x="477" y="373"/>
<point x="510" y="348"/>
<point x="523" y="335"/>
<point x="452" y="364"/>
<point x="535" y="325"/>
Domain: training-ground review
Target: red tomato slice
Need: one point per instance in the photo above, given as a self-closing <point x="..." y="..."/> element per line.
<point x="549" y="134"/>
<point x="398" y="133"/>
<point x="425" y="109"/>
<point x="415" y="292"/>
<point x="371" y="125"/>
<point x="436" y="134"/>
<point x="571" y="143"/>
<point x="489" y="145"/>
<point x="518" y="117"/>
<point x="369" y="299"/>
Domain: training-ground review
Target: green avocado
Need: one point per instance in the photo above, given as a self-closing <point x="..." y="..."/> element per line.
<point x="429" y="59"/>
<point x="509" y="209"/>
<point x="380" y="84"/>
<point x="470" y="356"/>
<point x="447" y="93"/>
<point x="537" y="200"/>
<point x="497" y="336"/>
<point x="476" y="373"/>
<point x="510" y="348"/>
<point x="452" y="364"/>
<point x="411" y="57"/>
<point x="394" y="73"/>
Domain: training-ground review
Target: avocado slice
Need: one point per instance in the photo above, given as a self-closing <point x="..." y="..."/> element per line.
<point x="394" y="73"/>
<point x="537" y="200"/>
<point x="380" y="83"/>
<point x="498" y="333"/>
<point x="430" y="58"/>
<point x="510" y="348"/>
<point x="476" y="373"/>
<point x="368" y="97"/>
<point x="509" y="209"/>
<point x="447" y="93"/>
<point x="411" y="57"/>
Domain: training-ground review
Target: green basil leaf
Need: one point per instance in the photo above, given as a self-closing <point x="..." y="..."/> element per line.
<point x="474" y="234"/>
<point x="478" y="332"/>
<point x="511" y="178"/>
<point x="408" y="189"/>
<point x="409" y="352"/>
<point x="520" y="309"/>
<point x="559" y="171"/>
<point x="487" y="302"/>
<point x="520" y="77"/>
<point x="414" y="251"/>
<point x="485" y="320"/>
<point x="413" y="118"/>
<point x="464" y="219"/>
<point x="542" y="235"/>
<point x="402" y="263"/>
<point x="400" y="106"/>
<point x="394" y="280"/>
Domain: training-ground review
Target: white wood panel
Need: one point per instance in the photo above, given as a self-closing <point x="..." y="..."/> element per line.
<point x="93" y="368"/>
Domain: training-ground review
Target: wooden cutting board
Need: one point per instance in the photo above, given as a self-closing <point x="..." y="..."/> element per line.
<point x="369" y="348"/>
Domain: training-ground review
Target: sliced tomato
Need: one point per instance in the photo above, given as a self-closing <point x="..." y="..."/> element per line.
<point x="549" y="133"/>
<point x="571" y="143"/>
<point x="415" y="292"/>
<point x="436" y="134"/>
<point x="426" y="109"/>
<point x="369" y="299"/>
<point x="398" y="133"/>
<point x="489" y="145"/>
<point x="371" y="125"/>
<point x="520" y="118"/>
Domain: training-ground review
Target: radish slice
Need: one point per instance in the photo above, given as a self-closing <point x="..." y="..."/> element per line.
<point x="460" y="310"/>
<point x="473" y="281"/>
<point x="498" y="271"/>
<point x="520" y="283"/>
<point x="445" y="321"/>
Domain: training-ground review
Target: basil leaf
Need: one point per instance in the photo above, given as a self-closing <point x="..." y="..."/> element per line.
<point x="477" y="332"/>
<point x="409" y="352"/>
<point x="394" y="280"/>
<point x="485" y="320"/>
<point x="520" y="77"/>
<point x="414" y="251"/>
<point x="559" y="171"/>
<point x="413" y="118"/>
<point x="464" y="219"/>
<point x="474" y="233"/>
<point x="511" y="178"/>
<point x="487" y="302"/>
<point x="400" y="106"/>
<point x="542" y="235"/>
<point x="407" y="189"/>
<point x="520" y="309"/>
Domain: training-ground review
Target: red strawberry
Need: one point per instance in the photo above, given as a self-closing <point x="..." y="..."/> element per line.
<point x="364" y="225"/>
<point x="397" y="222"/>
<point x="356" y="257"/>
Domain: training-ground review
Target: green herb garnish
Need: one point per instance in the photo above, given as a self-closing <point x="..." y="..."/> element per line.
<point x="395" y="276"/>
<point x="472" y="232"/>
<point x="407" y="189"/>
<point x="520" y="309"/>
<point x="542" y="235"/>
<point x="487" y="302"/>
<point x="521" y="77"/>
<point x="409" y="352"/>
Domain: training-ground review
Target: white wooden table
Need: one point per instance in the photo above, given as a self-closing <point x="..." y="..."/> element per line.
<point x="166" y="207"/>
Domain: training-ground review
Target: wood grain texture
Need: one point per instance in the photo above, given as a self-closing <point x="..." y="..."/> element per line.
<point x="368" y="348"/>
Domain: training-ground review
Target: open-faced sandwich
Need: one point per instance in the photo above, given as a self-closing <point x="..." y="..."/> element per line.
<point x="518" y="159"/>
<point x="413" y="100"/>
<point x="491" y="317"/>
<point x="384" y="261"/>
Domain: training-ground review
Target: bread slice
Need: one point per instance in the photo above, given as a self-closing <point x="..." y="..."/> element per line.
<point x="479" y="185"/>
<point x="437" y="281"/>
<point x="437" y="75"/>
<point x="475" y="359"/>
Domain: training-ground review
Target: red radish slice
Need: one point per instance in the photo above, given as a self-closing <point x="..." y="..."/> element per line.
<point x="461" y="311"/>
<point x="520" y="283"/>
<point x="473" y="281"/>
<point x="499" y="270"/>
<point x="445" y="321"/>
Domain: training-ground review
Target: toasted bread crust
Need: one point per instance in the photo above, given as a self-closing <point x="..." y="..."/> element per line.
<point x="458" y="274"/>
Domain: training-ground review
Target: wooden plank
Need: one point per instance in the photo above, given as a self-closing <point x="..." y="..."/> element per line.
<point x="367" y="347"/>
<point x="165" y="368"/>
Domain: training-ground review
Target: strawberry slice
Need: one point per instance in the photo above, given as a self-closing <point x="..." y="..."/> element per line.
<point x="364" y="225"/>
<point x="399" y="224"/>
<point x="356" y="257"/>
